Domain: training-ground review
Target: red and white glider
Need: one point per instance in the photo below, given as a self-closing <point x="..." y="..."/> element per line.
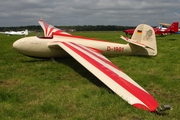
<point x="90" y="53"/>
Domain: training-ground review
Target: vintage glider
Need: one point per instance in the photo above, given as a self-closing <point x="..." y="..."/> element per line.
<point x="25" y="32"/>
<point x="162" y="29"/>
<point x="90" y="53"/>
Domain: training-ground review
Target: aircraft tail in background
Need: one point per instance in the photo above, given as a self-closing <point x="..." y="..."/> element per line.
<point x="174" y="28"/>
<point x="26" y="32"/>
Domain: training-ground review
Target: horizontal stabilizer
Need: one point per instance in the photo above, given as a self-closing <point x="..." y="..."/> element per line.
<point x="135" y="42"/>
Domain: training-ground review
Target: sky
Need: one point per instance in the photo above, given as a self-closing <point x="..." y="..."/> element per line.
<point x="88" y="12"/>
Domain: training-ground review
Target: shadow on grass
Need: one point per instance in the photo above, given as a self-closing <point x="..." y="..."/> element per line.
<point x="172" y="39"/>
<point x="76" y="66"/>
<point x="35" y="60"/>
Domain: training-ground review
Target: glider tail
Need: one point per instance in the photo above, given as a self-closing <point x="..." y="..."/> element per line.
<point x="143" y="41"/>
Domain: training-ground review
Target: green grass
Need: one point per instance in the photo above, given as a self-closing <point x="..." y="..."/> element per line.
<point x="63" y="89"/>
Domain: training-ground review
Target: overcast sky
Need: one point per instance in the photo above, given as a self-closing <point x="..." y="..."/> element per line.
<point x="88" y="12"/>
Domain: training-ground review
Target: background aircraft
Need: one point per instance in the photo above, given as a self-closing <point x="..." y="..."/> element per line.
<point x="90" y="53"/>
<point x="25" y="32"/>
<point x="162" y="29"/>
<point x="178" y="31"/>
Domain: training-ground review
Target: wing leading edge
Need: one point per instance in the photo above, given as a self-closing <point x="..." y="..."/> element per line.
<point x="110" y="75"/>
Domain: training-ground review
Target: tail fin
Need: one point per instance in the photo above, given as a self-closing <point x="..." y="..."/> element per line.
<point x="143" y="41"/>
<point x="26" y="32"/>
<point x="174" y="28"/>
<point x="49" y="29"/>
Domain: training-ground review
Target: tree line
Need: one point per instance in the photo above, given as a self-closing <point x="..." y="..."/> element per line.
<point x="77" y="28"/>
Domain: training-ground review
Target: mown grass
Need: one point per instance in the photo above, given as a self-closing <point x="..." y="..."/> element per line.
<point x="62" y="89"/>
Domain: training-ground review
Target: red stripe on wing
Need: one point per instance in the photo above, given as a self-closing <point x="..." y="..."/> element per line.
<point x="104" y="59"/>
<point x="146" y="98"/>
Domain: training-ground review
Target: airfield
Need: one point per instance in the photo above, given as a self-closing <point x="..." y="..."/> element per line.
<point x="62" y="89"/>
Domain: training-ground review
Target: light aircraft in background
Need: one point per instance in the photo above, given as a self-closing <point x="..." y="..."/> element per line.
<point x="25" y="32"/>
<point x="178" y="31"/>
<point x="162" y="29"/>
<point x="90" y="53"/>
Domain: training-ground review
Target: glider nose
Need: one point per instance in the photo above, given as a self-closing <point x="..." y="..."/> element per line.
<point x="16" y="45"/>
<point x="19" y="45"/>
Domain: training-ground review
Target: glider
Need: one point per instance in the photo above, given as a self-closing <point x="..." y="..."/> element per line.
<point x="162" y="29"/>
<point x="25" y="32"/>
<point x="90" y="53"/>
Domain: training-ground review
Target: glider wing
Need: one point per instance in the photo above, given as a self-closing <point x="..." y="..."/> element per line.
<point x="110" y="75"/>
<point x="49" y="30"/>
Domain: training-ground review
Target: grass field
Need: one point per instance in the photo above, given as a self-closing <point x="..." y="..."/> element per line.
<point x="62" y="89"/>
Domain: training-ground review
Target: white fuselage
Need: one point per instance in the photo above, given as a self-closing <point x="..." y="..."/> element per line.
<point x="16" y="32"/>
<point x="40" y="48"/>
<point x="161" y="28"/>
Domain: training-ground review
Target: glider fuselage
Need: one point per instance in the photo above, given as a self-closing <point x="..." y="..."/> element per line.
<point x="39" y="47"/>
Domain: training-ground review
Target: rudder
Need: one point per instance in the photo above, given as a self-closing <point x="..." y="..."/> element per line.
<point x="174" y="28"/>
<point x="26" y="32"/>
<point x="144" y="35"/>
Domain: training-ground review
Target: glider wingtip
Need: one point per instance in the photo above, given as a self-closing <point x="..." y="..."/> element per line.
<point x="146" y="108"/>
<point x="163" y="108"/>
<point x="155" y="109"/>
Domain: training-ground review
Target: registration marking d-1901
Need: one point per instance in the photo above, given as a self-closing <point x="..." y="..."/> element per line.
<point x="115" y="49"/>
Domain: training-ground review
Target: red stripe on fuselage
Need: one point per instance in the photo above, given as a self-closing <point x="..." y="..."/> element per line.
<point x="146" y="98"/>
<point x="80" y="37"/>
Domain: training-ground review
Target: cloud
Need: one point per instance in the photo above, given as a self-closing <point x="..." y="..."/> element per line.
<point x="94" y="12"/>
